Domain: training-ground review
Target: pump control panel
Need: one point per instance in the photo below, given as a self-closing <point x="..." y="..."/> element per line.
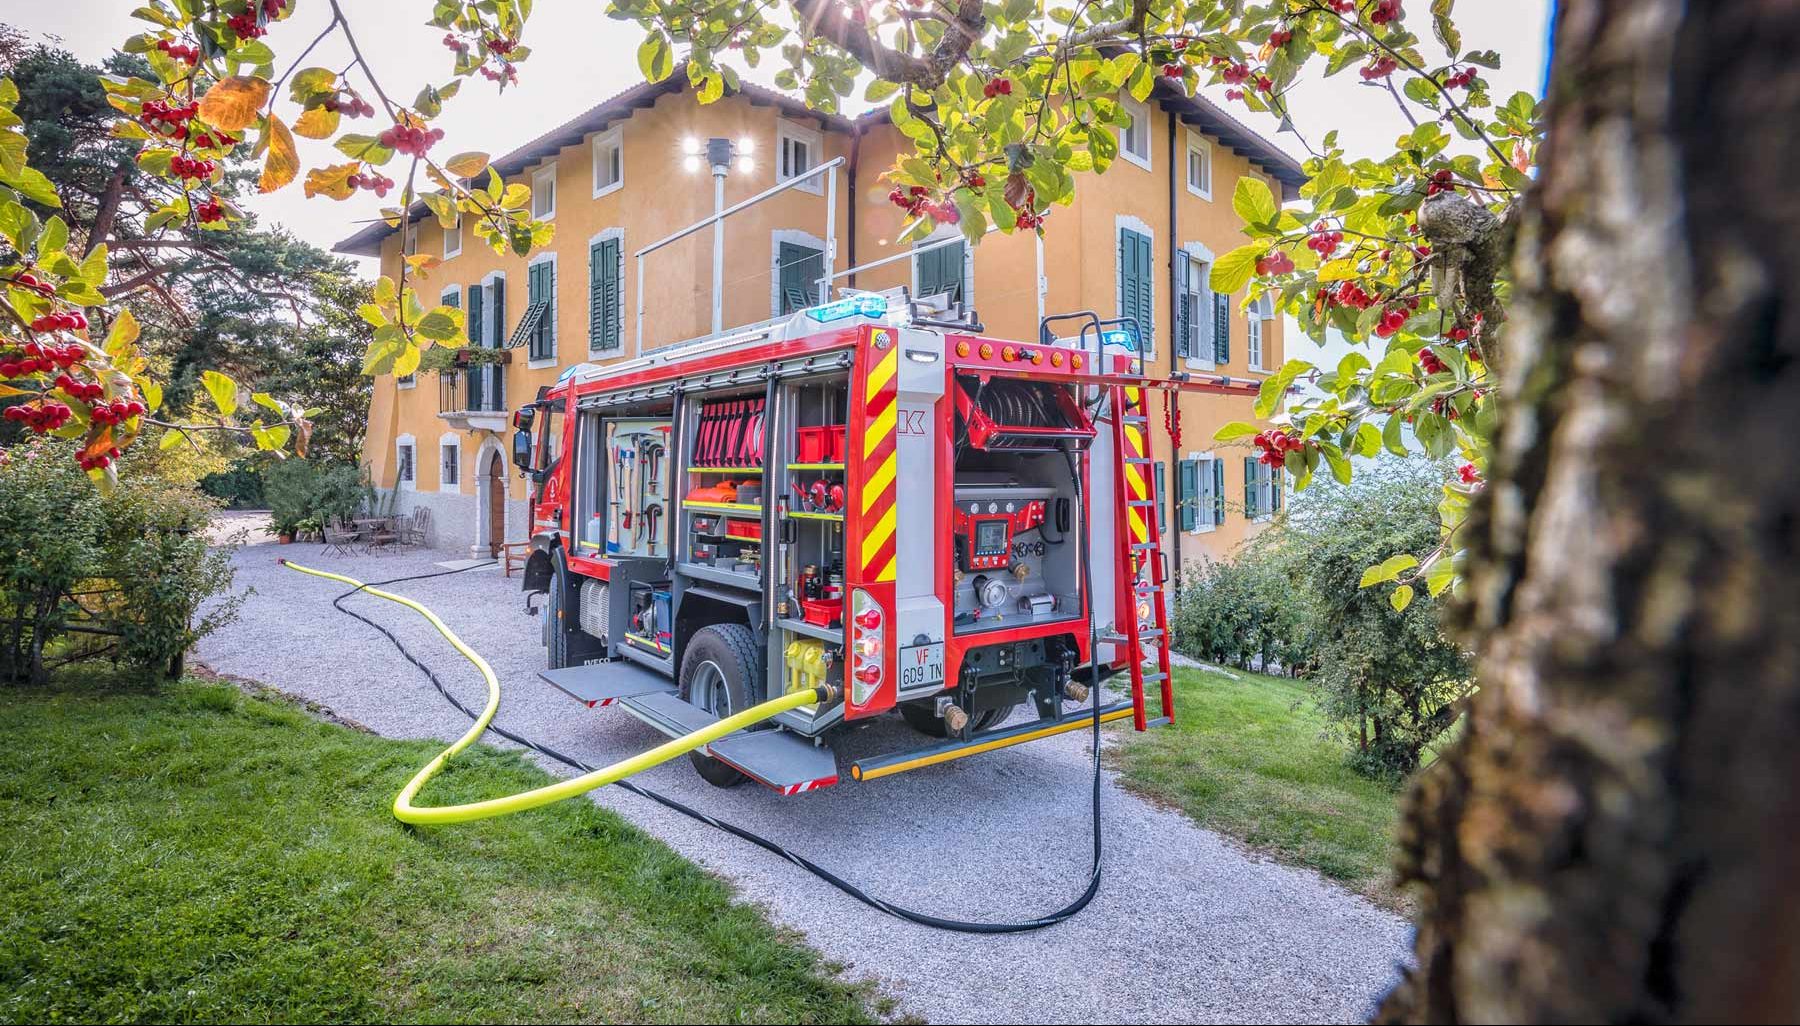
<point x="985" y="530"/>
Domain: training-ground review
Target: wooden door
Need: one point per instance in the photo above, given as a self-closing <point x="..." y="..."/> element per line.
<point x="496" y="492"/>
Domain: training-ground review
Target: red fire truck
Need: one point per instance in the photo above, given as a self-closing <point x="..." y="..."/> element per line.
<point x="870" y="493"/>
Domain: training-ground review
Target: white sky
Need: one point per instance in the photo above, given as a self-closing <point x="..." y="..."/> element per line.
<point x="579" y="56"/>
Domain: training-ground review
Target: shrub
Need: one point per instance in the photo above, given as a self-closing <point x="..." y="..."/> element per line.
<point x="134" y="567"/>
<point x="298" y="490"/>
<point x="1245" y="613"/>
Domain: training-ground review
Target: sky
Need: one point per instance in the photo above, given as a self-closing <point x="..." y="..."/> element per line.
<point x="579" y="57"/>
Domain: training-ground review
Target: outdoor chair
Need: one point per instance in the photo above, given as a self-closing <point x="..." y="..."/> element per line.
<point x="384" y="536"/>
<point x="416" y="529"/>
<point x="340" y="538"/>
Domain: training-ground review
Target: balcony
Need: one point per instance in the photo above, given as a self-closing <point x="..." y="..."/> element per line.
<point x="473" y="399"/>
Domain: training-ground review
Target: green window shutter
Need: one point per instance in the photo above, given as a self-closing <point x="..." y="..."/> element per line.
<point x="1187" y="493"/>
<point x="941" y="271"/>
<point x="1251" y="512"/>
<point x="1183" y="282"/>
<point x="541" y="287"/>
<point x="1146" y="312"/>
<point x="603" y="295"/>
<point x="1218" y="477"/>
<point x="499" y="314"/>
<point x="453" y="300"/>
<point x="1137" y="291"/>
<point x="801" y="269"/>
<point x="1275" y="488"/>
<point x="475" y="305"/>
<point x="1221" y="328"/>
<point x="1162" y="505"/>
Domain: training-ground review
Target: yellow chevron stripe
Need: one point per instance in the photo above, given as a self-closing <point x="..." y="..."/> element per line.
<point x="879" y="429"/>
<point x="1140" y="531"/>
<point x="887" y="572"/>
<point x="881" y="374"/>
<point x="878" y="536"/>
<point x="1134" y="480"/>
<point x="1134" y="440"/>
<point x="878" y="482"/>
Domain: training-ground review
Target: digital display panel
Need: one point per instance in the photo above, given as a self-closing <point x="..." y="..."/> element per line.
<point x="990" y="537"/>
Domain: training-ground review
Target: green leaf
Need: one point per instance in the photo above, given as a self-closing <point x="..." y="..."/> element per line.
<point x="32" y="184"/>
<point x="656" y="59"/>
<point x="1268" y="397"/>
<point x="1440" y="575"/>
<point x="1401" y="598"/>
<point x="223" y="391"/>
<point x="1388" y="569"/>
<point x="1340" y="467"/>
<point x="1254" y="202"/>
<point x="1234" y="270"/>
<point x="1235" y="430"/>
<point x="442" y="325"/>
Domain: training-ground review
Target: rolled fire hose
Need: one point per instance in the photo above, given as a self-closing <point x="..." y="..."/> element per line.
<point x="407" y="812"/>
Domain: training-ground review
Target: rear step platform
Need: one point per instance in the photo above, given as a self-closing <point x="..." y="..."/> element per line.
<point x="605" y="683"/>
<point x="777" y="759"/>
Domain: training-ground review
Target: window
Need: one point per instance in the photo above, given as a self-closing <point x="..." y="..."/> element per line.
<point x="1199" y="166"/>
<point x="1193" y="334"/>
<point x="798" y="268"/>
<point x="449" y="465"/>
<point x="539" y="323"/>
<point x="943" y="271"/>
<point x="606" y="294"/>
<point x="609" y="162"/>
<point x="1200" y="493"/>
<point x="1221" y="328"/>
<point x="798" y="150"/>
<point x="1261" y="311"/>
<point x="453" y="239"/>
<point x="1137" y="283"/>
<point x="403" y="461"/>
<point x="1134" y="140"/>
<point x="543" y="193"/>
<point x="1262" y="489"/>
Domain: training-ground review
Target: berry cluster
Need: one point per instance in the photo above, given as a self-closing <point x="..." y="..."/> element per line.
<point x="204" y="140"/>
<point x="191" y="167"/>
<point x="116" y="412"/>
<point x="1277" y="262"/>
<point x="1345" y="293"/>
<point x="1343" y="6"/>
<point x="86" y="391"/>
<point x="454" y="43"/>
<point x="509" y="74"/>
<point x="100" y="462"/>
<point x="1443" y="180"/>
<point x="72" y="321"/>
<point x="1324" y="241"/>
<point x="1431" y="363"/>
<point x="161" y="117"/>
<point x="1028" y="213"/>
<point x="1442" y="406"/>
<point x="410" y="139"/>
<point x="1464" y="79"/>
<point x="1275" y="445"/>
<point x="187" y="54"/>
<point x="38" y="358"/>
<point x="210" y="211"/>
<point x="502" y="46"/>
<point x="997" y="87"/>
<point x="1237" y="74"/>
<point x="1380" y="68"/>
<point x="378" y="184"/>
<point x="1279" y="38"/>
<point x="46" y="415"/>
<point x="245" y="25"/>
<point x="1385" y="11"/>
<point x="27" y="280"/>
<point x="349" y="105"/>
<point x="1173" y="71"/>
<point x="1469" y="474"/>
<point x="1392" y="320"/>
<point x="1457" y="334"/>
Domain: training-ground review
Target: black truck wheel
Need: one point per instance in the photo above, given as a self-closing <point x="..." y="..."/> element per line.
<point x="559" y="620"/>
<point x="719" y="674"/>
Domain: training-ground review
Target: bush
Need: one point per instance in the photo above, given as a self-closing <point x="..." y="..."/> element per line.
<point x="121" y="575"/>
<point x="299" y="490"/>
<point x="1246" y="613"/>
<point x="241" y="487"/>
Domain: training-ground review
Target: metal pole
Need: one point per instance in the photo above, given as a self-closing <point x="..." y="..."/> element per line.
<point x="830" y="235"/>
<point x="640" y="305"/>
<point x="718" y="291"/>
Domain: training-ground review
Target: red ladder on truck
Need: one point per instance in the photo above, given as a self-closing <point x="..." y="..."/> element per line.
<point x="1141" y="617"/>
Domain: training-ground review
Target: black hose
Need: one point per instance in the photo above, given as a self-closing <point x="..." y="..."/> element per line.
<point x="922" y="918"/>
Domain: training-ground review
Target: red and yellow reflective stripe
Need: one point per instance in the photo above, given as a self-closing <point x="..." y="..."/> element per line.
<point x="1137" y="483"/>
<point x="877" y="557"/>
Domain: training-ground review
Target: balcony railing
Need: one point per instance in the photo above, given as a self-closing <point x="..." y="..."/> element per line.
<point x="477" y="390"/>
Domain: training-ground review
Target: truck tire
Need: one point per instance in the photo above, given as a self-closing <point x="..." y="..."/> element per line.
<point x="718" y="674"/>
<point x="921" y="717"/>
<point x="558" y="620"/>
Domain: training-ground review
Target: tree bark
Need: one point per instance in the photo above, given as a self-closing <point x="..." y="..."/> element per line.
<point x="1618" y="835"/>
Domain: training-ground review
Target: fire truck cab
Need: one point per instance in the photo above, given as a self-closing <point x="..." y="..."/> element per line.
<point x="868" y="493"/>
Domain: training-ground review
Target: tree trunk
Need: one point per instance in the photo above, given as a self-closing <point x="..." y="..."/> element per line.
<point x="1618" y="836"/>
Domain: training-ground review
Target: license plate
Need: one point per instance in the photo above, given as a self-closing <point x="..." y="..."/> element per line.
<point x="921" y="665"/>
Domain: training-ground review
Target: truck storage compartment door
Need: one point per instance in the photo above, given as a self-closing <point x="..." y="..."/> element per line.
<point x="1017" y="415"/>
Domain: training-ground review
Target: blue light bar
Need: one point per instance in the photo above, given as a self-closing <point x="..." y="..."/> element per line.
<point x="855" y="306"/>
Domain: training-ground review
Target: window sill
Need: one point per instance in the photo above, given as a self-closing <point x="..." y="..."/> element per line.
<point x="814" y="185"/>
<point x="1195" y="363"/>
<point x="608" y="190"/>
<point x="1205" y="194"/>
<point x="1208" y="529"/>
<point x="548" y="361"/>
<point x="406" y="385"/>
<point x="1143" y="162"/>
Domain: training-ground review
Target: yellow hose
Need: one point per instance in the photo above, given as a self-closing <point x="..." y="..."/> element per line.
<point x="407" y="812"/>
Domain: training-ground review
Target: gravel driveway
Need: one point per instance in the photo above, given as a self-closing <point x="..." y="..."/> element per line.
<point x="1186" y="927"/>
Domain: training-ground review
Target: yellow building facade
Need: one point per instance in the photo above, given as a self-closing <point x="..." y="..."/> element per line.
<point x="1138" y="240"/>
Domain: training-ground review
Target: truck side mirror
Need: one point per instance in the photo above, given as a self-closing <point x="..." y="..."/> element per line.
<point x="521" y="450"/>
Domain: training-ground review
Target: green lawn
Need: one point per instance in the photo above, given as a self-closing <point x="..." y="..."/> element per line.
<point x="1246" y="758"/>
<point x="203" y="855"/>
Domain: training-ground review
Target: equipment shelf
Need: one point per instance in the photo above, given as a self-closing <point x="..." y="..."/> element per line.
<point x="726" y="507"/>
<point x="725" y="470"/>
<point x="717" y="576"/>
<point x="797" y="515"/>
<point x="811" y="630"/>
<point x="815" y="466"/>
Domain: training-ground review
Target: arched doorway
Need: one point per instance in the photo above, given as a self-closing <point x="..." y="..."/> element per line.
<point x="496" y="503"/>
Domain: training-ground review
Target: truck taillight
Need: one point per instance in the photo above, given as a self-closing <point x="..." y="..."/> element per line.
<point x="867" y="644"/>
